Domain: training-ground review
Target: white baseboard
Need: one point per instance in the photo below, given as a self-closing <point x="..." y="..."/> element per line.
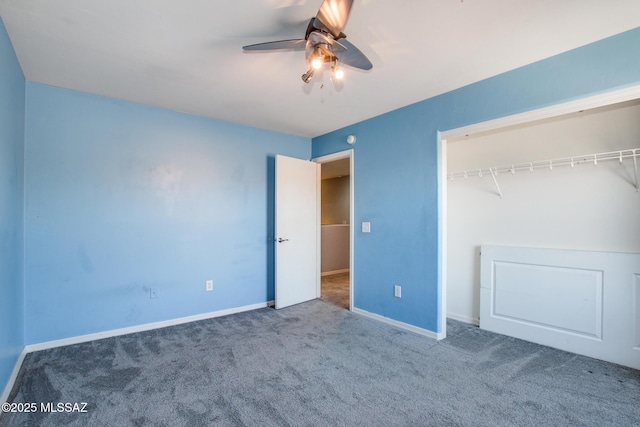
<point x="13" y="376"/>
<point x="331" y="273"/>
<point x="398" y="324"/>
<point x="140" y="328"/>
<point x="463" y="318"/>
<point x="116" y="332"/>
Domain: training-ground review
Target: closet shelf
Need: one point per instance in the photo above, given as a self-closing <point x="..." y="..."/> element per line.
<point x="573" y="161"/>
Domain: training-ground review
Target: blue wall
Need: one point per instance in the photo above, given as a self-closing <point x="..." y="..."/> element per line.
<point x="396" y="177"/>
<point x="12" y="88"/>
<point x="122" y="198"/>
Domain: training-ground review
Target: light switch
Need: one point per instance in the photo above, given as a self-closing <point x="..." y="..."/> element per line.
<point x="366" y="227"/>
<point x="397" y="291"/>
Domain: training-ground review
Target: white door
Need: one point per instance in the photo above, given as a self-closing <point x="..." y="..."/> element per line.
<point x="580" y="301"/>
<point x="296" y="231"/>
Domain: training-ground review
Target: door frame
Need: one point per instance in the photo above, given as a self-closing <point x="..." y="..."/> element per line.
<point x="326" y="159"/>
<point x="562" y="108"/>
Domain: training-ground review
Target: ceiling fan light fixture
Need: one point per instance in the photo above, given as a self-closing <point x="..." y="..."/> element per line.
<point x="337" y="72"/>
<point x="306" y="77"/>
<point x="316" y="63"/>
<point x="317" y="58"/>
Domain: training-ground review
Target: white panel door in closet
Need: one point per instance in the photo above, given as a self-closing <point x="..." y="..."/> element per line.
<point x="585" y="302"/>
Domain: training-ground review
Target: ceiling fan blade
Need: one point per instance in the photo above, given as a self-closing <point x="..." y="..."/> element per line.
<point x="337" y="47"/>
<point x="354" y="57"/>
<point x="293" y="44"/>
<point x="333" y="16"/>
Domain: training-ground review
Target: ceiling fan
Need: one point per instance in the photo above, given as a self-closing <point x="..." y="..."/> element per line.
<point x="324" y="41"/>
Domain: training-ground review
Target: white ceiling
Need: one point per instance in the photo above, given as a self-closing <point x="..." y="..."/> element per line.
<point x="187" y="55"/>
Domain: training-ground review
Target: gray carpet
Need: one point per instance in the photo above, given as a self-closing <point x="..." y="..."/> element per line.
<point x="315" y="364"/>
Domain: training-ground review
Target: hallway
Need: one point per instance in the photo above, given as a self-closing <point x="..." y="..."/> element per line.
<point x="335" y="289"/>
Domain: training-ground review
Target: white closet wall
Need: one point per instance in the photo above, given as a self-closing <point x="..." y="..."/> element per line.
<point x="583" y="208"/>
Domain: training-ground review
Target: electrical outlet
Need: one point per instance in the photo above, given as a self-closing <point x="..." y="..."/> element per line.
<point x="153" y="293"/>
<point x="209" y="285"/>
<point x="397" y="291"/>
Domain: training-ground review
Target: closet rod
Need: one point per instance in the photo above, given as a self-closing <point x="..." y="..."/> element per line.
<point x="620" y="155"/>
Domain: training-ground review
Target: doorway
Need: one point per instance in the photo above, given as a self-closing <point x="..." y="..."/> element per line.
<point x="336" y="235"/>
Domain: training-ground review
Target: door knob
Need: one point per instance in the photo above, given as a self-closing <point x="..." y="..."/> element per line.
<point x="280" y="240"/>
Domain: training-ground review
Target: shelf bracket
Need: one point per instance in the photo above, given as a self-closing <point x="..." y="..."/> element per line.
<point x="494" y="173"/>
